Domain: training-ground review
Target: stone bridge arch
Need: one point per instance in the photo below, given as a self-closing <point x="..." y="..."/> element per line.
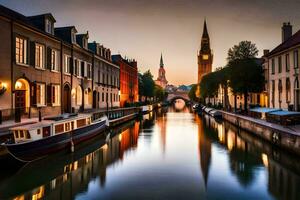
<point x="178" y="95"/>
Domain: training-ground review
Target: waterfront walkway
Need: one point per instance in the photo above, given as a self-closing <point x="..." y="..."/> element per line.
<point x="290" y="129"/>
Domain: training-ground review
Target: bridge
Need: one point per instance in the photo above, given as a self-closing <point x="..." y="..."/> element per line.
<point x="172" y="96"/>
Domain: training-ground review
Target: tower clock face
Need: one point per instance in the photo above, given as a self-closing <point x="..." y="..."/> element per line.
<point x="205" y="57"/>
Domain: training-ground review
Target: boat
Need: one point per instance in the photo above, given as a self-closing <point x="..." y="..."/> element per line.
<point x="35" y="141"/>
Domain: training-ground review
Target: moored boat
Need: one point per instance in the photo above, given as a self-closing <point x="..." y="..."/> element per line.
<point x="34" y="141"/>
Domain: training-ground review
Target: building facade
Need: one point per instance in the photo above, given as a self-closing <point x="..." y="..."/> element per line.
<point x="161" y="79"/>
<point x="51" y="69"/>
<point x="106" y="78"/>
<point x="283" y="71"/>
<point x="128" y="79"/>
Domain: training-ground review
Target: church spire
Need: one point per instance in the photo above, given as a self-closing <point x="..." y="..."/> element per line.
<point x="161" y="61"/>
<point x="205" y="32"/>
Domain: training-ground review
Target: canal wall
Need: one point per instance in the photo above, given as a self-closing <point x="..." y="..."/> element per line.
<point x="283" y="137"/>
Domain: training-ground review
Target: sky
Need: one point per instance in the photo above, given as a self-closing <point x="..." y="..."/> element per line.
<point x="143" y="29"/>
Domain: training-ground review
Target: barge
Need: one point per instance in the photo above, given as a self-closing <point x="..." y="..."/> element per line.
<point x="35" y="141"/>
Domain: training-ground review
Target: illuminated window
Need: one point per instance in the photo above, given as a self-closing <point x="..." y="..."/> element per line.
<point x="54" y="60"/>
<point x="39" y="56"/>
<point x="40" y="94"/>
<point x="55" y="95"/>
<point x="67" y="64"/>
<point x="205" y="57"/>
<point x="21" y="50"/>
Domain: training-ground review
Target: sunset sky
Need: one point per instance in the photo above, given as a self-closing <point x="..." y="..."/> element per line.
<point x="142" y="29"/>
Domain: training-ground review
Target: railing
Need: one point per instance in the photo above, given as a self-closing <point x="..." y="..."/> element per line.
<point x="17" y="114"/>
<point x="115" y="113"/>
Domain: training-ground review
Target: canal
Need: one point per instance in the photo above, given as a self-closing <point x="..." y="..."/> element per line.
<point x="169" y="154"/>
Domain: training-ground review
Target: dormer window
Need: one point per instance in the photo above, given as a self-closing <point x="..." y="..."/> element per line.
<point x="73" y="36"/>
<point x="84" y="43"/>
<point x="49" y="27"/>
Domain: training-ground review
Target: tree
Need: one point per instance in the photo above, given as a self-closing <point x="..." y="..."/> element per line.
<point x="244" y="50"/>
<point x="148" y="84"/>
<point x="141" y="86"/>
<point x="159" y="93"/>
<point x="192" y="93"/>
<point x="209" y="85"/>
<point x="246" y="76"/>
<point x="222" y="79"/>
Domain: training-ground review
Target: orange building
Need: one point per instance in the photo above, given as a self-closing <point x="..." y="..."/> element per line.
<point x="128" y="79"/>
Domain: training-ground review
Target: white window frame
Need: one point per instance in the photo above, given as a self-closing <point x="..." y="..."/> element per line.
<point x="88" y="68"/>
<point x="67" y="64"/>
<point x="49" y="26"/>
<point x="41" y="98"/>
<point x="21" y="50"/>
<point x="73" y="37"/>
<point x="54" y="60"/>
<point x="55" y="90"/>
<point x="39" y="56"/>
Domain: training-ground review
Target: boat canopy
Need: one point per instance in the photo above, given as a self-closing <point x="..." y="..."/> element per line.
<point x="285" y="113"/>
<point x="264" y="110"/>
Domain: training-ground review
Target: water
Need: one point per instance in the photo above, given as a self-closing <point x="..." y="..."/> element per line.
<point x="170" y="154"/>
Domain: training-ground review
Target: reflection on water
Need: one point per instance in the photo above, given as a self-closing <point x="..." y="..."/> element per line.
<point x="179" y="105"/>
<point x="166" y="155"/>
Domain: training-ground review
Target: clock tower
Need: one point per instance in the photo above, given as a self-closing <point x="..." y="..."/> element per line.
<point x="205" y="56"/>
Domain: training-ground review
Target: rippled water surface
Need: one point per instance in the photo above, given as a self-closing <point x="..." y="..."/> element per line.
<point x="169" y="154"/>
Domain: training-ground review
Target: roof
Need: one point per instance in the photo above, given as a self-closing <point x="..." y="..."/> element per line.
<point x="4" y="11"/>
<point x="285" y="113"/>
<point x="33" y="126"/>
<point x="290" y="42"/>
<point x="264" y="110"/>
<point x="43" y="16"/>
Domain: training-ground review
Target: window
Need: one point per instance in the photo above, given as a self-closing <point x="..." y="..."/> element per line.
<point x="296" y="59"/>
<point x="287" y="62"/>
<point x="67" y="64"/>
<point x="279" y="64"/>
<point x="83" y="70"/>
<point x="39" y="56"/>
<point x="78" y="96"/>
<point x="102" y="97"/>
<point x="273" y="66"/>
<point x="88" y="70"/>
<point x="55" y="95"/>
<point x="67" y="126"/>
<point x="21" y="50"/>
<point x="54" y="60"/>
<point x="279" y="90"/>
<point x="59" y="128"/>
<point x="288" y="90"/>
<point x="81" y="123"/>
<point x="79" y="68"/>
<point x="49" y="26"/>
<point x="73" y="37"/>
<point x="273" y="93"/>
<point x="40" y="94"/>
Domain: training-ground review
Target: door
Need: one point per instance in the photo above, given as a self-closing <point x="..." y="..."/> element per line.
<point x="67" y="99"/>
<point x="20" y="99"/>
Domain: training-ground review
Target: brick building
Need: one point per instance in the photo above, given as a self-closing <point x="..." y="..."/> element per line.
<point x="128" y="80"/>
<point x="51" y="69"/>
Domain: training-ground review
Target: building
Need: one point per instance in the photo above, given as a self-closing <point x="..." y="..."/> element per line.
<point x="283" y="71"/>
<point x="161" y="80"/>
<point x="49" y="69"/>
<point x="128" y="79"/>
<point x="205" y="56"/>
<point x="106" y="77"/>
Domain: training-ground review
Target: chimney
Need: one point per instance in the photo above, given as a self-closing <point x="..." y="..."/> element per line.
<point x="287" y="31"/>
<point x="266" y="51"/>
